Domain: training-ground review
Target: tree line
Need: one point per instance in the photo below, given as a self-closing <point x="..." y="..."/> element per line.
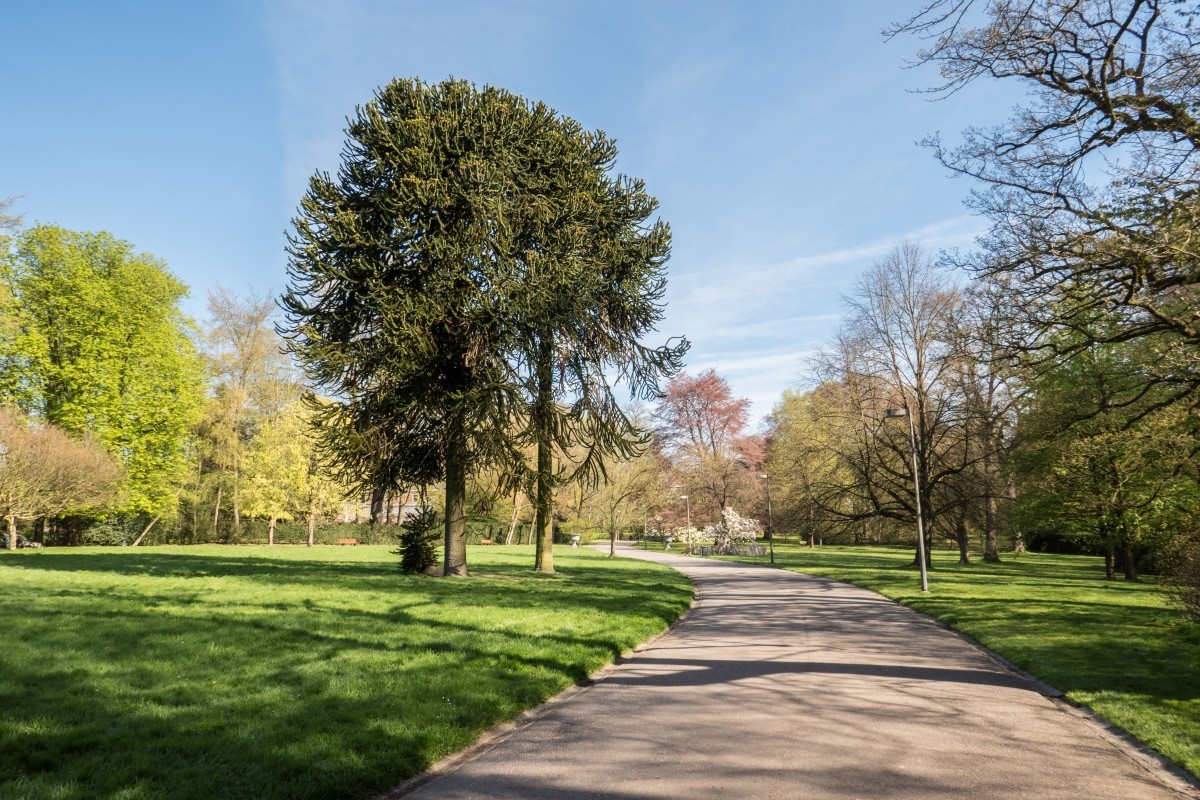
<point x="1050" y="373"/>
<point x="473" y="284"/>
<point x="123" y="418"/>
<point x="125" y="421"/>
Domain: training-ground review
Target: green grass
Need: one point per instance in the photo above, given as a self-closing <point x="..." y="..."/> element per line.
<point x="248" y="672"/>
<point x="1119" y="648"/>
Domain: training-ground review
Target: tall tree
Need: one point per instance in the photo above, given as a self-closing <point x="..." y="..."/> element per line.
<point x="591" y="268"/>
<point x="1094" y="467"/>
<point x="898" y="348"/>
<point x="100" y="347"/>
<point x="400" y="287"/>
<point x="465" y="285"/>
<point x="803" y="463"/>
<point x="253" y="378"/>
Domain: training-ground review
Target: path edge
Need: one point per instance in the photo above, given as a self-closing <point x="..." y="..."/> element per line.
<point x="498" y="733"/>
<point x="1162" y="769"/>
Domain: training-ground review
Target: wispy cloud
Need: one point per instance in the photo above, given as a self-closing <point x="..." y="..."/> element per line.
<point x="757" y="323"/>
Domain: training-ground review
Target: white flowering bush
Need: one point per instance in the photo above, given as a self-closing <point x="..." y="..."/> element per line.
<point x="733" y="530"/>
<point x="688" y="536"/>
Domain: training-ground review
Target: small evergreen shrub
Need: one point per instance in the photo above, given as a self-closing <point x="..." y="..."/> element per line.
<point x="419" y="540"/>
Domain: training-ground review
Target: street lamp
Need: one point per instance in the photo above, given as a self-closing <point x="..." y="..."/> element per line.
<point x="770" y="524"/>
<point x="684" y="497"/>
<point x="912" y="436"/>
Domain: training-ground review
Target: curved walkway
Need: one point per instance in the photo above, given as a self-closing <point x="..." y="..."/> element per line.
<point x="780" y="685"/>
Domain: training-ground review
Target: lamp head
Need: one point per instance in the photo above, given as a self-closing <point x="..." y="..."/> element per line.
<point x="896" y="412"/>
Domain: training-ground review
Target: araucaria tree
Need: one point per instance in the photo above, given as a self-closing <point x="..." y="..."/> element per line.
<point x="462" y="287"/>
<point x="589" y="265"/>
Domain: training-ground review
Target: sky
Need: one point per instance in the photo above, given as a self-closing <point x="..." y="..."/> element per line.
<point x="780" y="138"/>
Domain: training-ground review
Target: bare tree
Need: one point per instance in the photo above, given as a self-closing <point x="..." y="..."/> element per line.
<point x="9" y="221"/>
<point x="896" y="349"/>
<point x="1092" y="187"/>
<point x="44" y="472"/>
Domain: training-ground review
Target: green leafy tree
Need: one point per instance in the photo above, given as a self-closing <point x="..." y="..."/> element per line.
<point x="1094" y="466"/>
<point x="275" y="467"/>
<point x="253" y="382"/>
<point x="95" y="343"/>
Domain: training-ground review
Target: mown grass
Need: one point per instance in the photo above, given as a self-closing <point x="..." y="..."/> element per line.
<point x="248" y="672"/>
<point x="1119" y="648"/>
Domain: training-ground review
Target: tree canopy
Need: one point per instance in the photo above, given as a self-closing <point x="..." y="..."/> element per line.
<point x="1092" y="186"/>
<point x="471" y="265"/>
<point x="94" y="342"/>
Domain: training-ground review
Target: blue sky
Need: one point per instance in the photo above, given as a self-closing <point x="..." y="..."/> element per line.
<point x="779" y="137"/>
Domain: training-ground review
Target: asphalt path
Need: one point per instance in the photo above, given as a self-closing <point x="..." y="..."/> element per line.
<point x="780" y="685"/>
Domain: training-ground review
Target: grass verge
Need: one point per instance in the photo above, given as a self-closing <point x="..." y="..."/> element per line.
<point x="1118" y="648"/>
<point x="254" y="672"/>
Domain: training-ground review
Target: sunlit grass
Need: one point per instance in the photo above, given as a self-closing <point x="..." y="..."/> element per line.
<point x="1117" y="647"/>
<point x="248" y="672"/>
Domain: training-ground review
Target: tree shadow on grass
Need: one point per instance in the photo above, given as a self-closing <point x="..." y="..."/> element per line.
<point x="227" y="705"/>
<point x="118" y="684"/>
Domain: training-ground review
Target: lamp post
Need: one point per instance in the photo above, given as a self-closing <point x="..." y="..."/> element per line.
<point x="688" y="502"/>
<point x="770" y="523"/>
<point x="892" y="413"/>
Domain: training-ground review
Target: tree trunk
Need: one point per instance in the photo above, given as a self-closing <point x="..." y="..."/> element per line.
<point x="612" y="543"/>
<point x="271" y="532"/>
<point x="217" y="512"/>
<point x="12" y="533"/>
<point x="237" y="512"/>
<point x="312" y="525"/>
<point x="376" y="505"/>
<point x="962" y="537"/>
<point x="454" y="557"/>
<point x="145" y="530"/>
<point x="1128" y="565"/>
<point x="1110" y="571"/>
<point x="512" y="526"/>
<point x="991" y="553"/>
<point x="544" y="532"/>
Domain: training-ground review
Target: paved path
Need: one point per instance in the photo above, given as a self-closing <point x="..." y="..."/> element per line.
<point x="779" y="685"/>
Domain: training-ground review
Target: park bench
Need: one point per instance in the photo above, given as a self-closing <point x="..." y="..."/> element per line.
<point x="347" y="541"/>
<point x="485" y="541"/>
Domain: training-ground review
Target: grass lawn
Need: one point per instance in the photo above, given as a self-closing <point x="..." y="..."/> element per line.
<point x="288" y="672"/>
<point x="1118" y="648"/>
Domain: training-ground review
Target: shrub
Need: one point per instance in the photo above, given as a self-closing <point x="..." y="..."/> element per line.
<point x="1182" y="569"/>
<point x="689" y="536"/>
<point x="419" y="540"/>
<point x="110" y="531"/>
<point x="732" y="531"/>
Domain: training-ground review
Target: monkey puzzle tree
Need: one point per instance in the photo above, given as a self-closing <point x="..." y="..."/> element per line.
<point x="462" y="287"/>
<point x="592" y="282"/>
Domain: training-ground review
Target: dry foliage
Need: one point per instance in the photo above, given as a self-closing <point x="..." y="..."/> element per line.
<point x="46" y="473"/>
